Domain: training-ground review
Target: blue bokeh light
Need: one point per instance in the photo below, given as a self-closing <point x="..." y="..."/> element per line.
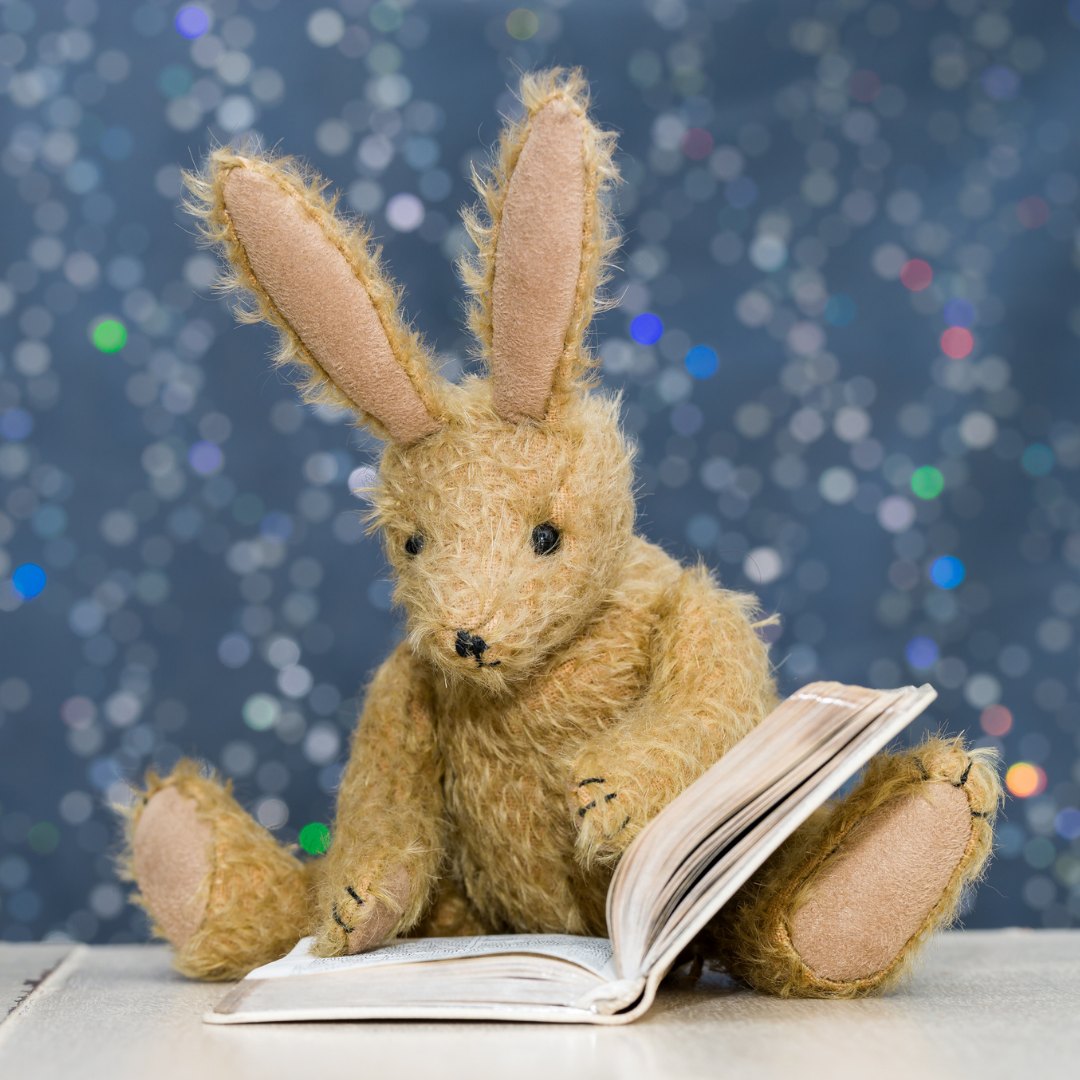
<point x="16" y="424"/>
<point x="1037" y="459"/>
<point x="921" y="652"/>
<point x="839" y="310"/>
<point x="192" y="21"/>
<point x="276" y="526"/>
<point x="702" y="362"/>
<point x="1000" y="82"/>
<point x="204" y="457"/>
<point x="28" y="581"/>
<point x="741" y="192"/>
<point x="959" y="312"/>
<point x="947" y="572"/>
<point x="647" y="328"/>
<point x="1067" y="823"/>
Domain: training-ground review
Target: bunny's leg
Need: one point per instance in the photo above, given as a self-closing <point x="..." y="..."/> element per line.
<point x="215" y="883"/>
<point x="844" y="907"/>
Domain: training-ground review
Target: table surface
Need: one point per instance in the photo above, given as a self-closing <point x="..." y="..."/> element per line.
<point x="985" y="1004"/>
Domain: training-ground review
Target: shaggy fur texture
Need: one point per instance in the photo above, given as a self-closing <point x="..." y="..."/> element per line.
<point x="256" y="893"/>
<point x="493" y="785"/>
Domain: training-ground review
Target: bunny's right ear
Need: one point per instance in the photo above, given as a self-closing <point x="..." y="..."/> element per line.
<point x="318" y="282"/>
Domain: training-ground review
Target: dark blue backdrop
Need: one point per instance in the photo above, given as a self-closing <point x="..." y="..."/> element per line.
<point x="866" y="211"/>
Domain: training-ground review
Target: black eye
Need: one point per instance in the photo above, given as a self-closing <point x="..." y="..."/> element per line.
<point x="545" y="539"/>
<point x="415" y="544"/>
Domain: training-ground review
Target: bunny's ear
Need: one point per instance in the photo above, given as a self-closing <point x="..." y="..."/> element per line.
<point x="543" y="248"/>
<point x="319" y="283"/>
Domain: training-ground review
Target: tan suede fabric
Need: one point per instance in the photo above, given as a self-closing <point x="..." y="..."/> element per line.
<point x="887" y="875"/>
<point x="537" y="262"/>
<point x="318" y="294"/>
<point x="374" y="930"/>
<point x="171" y="860"/>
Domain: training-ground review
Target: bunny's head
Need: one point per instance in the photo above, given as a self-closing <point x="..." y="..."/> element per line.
<point x="505" y="503"/>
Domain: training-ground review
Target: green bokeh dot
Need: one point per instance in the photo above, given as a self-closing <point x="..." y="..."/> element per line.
<point x="43" y="837"/>
<point x="110" y="335"/>
<point x="315" y="838"/>
<point x="522" y="24"/>
<point x="927" y="482"/>
<point x="261" y="712"/>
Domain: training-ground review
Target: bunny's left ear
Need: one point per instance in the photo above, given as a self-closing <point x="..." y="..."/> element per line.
<point x="544" y="248"/>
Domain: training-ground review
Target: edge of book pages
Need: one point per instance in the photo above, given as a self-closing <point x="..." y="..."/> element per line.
<point x="622" y="1000"/>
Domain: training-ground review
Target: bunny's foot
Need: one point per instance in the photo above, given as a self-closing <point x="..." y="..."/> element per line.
<point x="214" y="882"/>
<point x="844" y="906"/>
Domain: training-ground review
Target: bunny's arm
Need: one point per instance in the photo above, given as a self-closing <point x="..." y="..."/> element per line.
<point x="711" y="683"/>
<point x="388" y="840"/>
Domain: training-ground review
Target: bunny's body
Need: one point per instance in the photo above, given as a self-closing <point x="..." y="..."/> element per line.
<point x="562" y="679"/>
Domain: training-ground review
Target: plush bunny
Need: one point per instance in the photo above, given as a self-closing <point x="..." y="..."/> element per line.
<point x="562" y="678"/>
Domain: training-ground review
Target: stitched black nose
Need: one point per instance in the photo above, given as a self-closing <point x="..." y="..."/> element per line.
<point x="470" y="644"/>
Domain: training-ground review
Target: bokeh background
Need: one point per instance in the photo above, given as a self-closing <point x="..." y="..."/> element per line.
<point x="847" y="347"/>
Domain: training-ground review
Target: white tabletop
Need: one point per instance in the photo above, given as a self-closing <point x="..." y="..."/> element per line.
<point x="986" y="1004"/>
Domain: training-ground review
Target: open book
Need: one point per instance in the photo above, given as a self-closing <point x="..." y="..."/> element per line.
<point x="676" y="875"/>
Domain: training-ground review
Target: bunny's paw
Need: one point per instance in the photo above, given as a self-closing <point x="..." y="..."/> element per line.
<point x="361" y="916"/>
<point x="602" y="811"/>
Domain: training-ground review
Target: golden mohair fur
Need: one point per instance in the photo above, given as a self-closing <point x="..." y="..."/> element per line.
<point x="753" y="933"/>
<point x="493" y="787"/>
<point x="257" y="894"/>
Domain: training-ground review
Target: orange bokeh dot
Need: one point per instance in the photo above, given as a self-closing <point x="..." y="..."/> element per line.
<point x="957" y="342"/>
<point x="1024" y="780"/>
<point x="996" y="720"/>
<point x="916" y="275"/>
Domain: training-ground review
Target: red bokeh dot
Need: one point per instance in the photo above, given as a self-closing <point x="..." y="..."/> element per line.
<point x="957" y="342"/>
<point x="1032" y="212"/>
<point x="916" y="274"/>
<point x="697" y="144"/>
<point x="996" y="720"/>
<point x="864" y="86"/>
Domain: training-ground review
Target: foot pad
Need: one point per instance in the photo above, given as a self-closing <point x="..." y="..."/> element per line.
<point x="875" y="892"/>
<point x="171" y="854"/>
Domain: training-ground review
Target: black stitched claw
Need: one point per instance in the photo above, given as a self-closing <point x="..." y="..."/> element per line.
<point x="623" y="825"/>
<point x="585" y="809"/>
<point x="352" y="892"/>
<point x="592" y="780"/>
<point x="337" y="919"/>
<point x="978" y="813"/>
<point x="922" y="769"/>
<point x="608" y="798"/>
<point x="963" y="779"/>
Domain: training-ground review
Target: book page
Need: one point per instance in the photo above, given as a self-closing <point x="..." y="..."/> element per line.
<point x="592" y="954"/>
